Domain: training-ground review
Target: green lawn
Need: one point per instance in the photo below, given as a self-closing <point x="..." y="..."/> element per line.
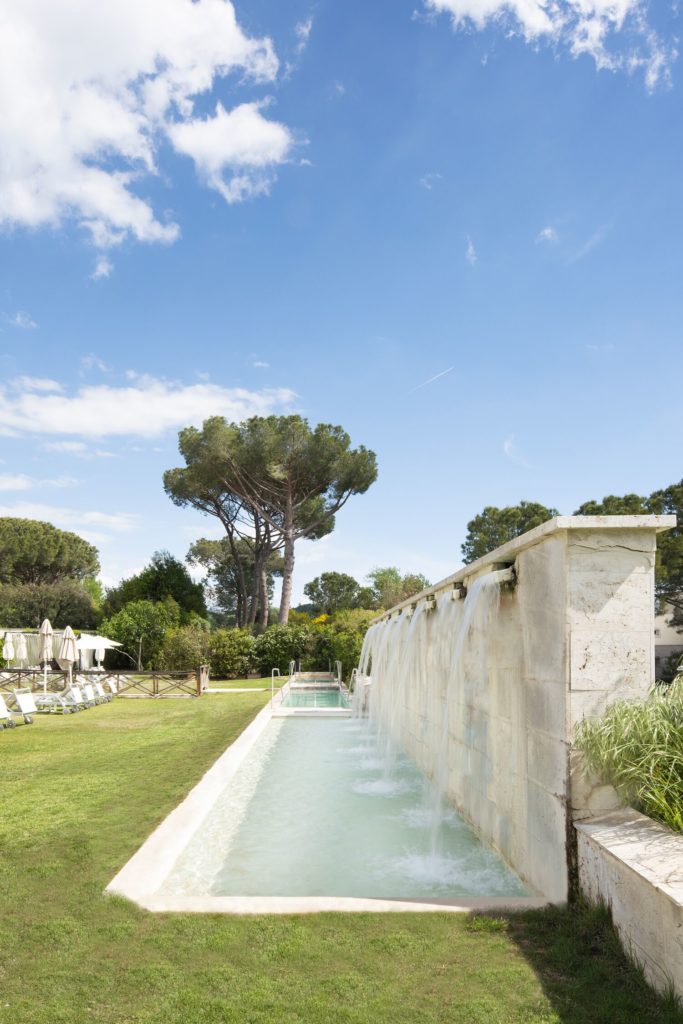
<point x="231" y="684"/>
<point x="80" y="793"/>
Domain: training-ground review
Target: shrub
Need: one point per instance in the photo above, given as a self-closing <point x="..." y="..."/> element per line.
<point x="186" y="647"/>
<point x="279" y="645"/>
<point x="638" y="748"/>
<point x="230" y="653"/>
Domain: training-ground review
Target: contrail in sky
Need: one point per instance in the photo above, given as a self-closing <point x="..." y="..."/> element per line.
<point x="431" y="379"/>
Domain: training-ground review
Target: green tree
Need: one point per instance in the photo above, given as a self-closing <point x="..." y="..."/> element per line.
<point x="390" y="586"/>
<point x="35" y="552"/>
<point x="231" y="577"/>
<point x="65" y="603"/>
<point x="332" y="591"/>
<point x="272" y="480"/>
<point x="164" y="577"/>
<point x="496" y="526"/>
<point x="141" y="627"/>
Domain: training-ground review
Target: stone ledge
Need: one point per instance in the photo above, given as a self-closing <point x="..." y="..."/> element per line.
<point x="560" y="524"/>
<point x="635" y="867"/>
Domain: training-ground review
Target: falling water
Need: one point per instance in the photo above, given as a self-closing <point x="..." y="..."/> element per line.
<point x="424" y="666"/>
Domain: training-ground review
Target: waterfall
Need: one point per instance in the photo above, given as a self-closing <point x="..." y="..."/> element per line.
<point x="424" y="665"/>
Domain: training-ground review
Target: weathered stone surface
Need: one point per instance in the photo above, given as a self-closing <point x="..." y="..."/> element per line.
<point x="635" y="866"/>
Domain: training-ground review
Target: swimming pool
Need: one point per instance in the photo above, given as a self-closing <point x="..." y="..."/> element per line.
<point x="315" y="811"/>
<point x="312" y="698"/>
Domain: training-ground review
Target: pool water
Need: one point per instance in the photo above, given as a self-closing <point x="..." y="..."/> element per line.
<point x="315" y="699"/>
<point x="312" y="811"/>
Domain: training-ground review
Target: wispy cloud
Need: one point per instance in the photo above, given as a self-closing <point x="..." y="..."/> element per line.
<point x="23" y="320"/>
<point x="512" y="452"/>
<point x="428" y="181"/>
<point x="103" y="268"/>
<point x="471" y="252"/>
<point x="432" y="379"/>
<point x="547" y="234"/>
<point x="596" y="239"/>
<point x="260" y="364"/>
<point x="22" y="482"/>
<point x="302" y="32"/>
<point x="93" y="362"/>
<point x="601" y="349"/>
<point x="44" y="384"/>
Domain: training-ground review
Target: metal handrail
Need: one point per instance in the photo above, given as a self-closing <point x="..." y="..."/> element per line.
<point x="272" y="684"/>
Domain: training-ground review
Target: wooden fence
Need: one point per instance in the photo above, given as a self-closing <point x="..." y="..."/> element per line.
<point x="189" y="683"/>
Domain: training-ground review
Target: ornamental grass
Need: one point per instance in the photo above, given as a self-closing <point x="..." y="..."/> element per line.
<point x="637" y="746"/>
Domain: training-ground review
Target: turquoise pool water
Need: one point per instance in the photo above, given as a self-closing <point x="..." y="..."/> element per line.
<point x="312" y="811"/>
<point x="315" y="699"/>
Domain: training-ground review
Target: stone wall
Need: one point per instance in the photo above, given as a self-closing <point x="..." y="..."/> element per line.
<point x="574" y="634"/>
<point x="634" y="866"/>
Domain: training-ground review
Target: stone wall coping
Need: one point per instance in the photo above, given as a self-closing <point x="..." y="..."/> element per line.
<point x="507" y="553"/>
<point x="649" y="849"/>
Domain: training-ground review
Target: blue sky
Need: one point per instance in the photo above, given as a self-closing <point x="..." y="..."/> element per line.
<point x="482" y="193"/>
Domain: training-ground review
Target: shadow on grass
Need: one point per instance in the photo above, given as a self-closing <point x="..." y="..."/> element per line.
<point x="578" y="959"/>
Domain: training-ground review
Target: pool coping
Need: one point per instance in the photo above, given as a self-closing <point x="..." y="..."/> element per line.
<point x="141" y="877"/>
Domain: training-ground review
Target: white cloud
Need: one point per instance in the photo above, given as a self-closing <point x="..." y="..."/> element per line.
<point x="471" y="252"/>
<point x="234" y="151"/>
<point x="15" y="482"/>
<point x="146" y="408"/>
<point x="21" y="482"/>
<point x="89" y="93"/>
<point x="22" y="319"/>
<point x="260" y="364"/>
<point x="103" y="268"/>
<point x="36" y="384"/>
<point x="616" y="34"/>
<point x="547" y="234"/>
<point x="512" y="452"/>
<point x="89" y="525"/>
<point x="302" y="33"/>
<point x="428" y="181"/>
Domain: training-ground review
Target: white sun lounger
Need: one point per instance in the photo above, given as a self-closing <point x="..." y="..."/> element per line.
<point x="23" y="704"/>
<point x="6" y="720"/>
<point x="102" y="693"/>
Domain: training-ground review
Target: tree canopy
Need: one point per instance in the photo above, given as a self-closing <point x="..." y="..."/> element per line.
<point x="390" y="586"/>
<point x="36" y="552"/>
<point x="332" y="591"/>
<point x="270" y="481"/>
<point x="495" y="526"/>
<point x="164" y="577"/>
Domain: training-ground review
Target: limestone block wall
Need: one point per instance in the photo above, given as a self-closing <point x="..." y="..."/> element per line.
<point x="574" y="634"/>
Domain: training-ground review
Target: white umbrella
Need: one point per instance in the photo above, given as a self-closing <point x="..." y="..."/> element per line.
<point x="98" y="644"/>
<point x="68" y="650"/>
<point x="45" y="648"/>
<point x="22" y="650"/>
<point x="8" y="649"/>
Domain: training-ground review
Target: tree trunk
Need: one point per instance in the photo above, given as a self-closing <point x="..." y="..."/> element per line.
<point x="263" y="595"/>
<point x="288" y="571"/>
<point x="239" y="568"/>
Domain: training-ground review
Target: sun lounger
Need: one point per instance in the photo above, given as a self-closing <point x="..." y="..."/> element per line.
<point x="111" y="683"/>
<point x="23" y="704"/>
<point x="102" y="693"/>
<point x="6" y="720"/>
